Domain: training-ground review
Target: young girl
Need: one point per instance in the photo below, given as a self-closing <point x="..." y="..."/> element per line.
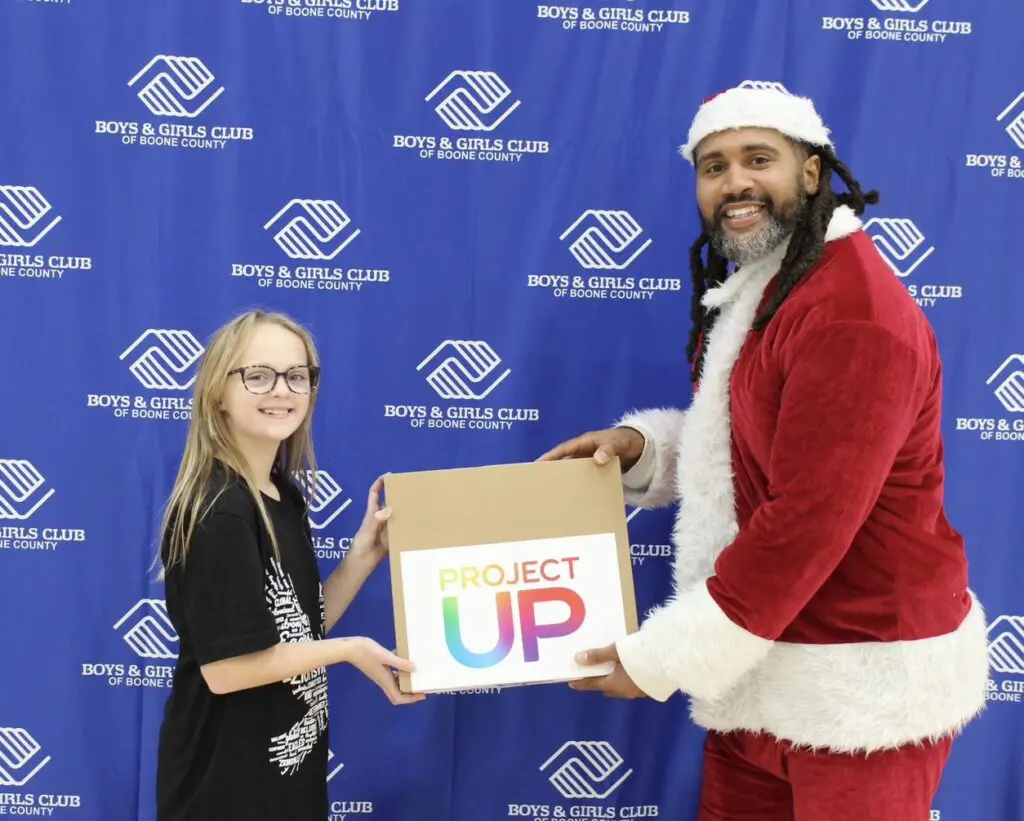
<point x="244" y="733"/>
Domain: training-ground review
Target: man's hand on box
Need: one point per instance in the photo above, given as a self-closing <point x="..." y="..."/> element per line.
<point x="601" y="445"/>
<point x="617" y="684"/>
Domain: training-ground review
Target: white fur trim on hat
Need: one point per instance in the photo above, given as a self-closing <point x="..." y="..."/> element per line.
<point x="764" y="107"/>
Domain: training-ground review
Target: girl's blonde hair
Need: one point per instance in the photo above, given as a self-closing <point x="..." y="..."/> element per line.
<point x="209" y="438"/>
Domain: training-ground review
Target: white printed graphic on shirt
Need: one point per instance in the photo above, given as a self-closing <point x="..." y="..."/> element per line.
<point x="288" y="750"/>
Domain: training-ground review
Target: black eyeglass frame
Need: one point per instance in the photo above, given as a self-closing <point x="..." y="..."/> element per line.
<point x="314" y="378"/>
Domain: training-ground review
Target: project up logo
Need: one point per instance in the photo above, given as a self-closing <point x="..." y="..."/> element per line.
<point x="627" y="18"/>
<point x="1006" y="387"/>
<point x="1006" y="659"/>
<point x="482" y="618"/>
<point x="23" y="763"/>
<point x="898" y="21"/>
<point x="327" y="501"/>
<point x="161" y="363"/>
<point x="521" y="631"/>
<point x="150" y="640"/>
<point x="463" y="374"/>
<point x="475" y="106"/>
<point x="1010" y="121"/>
<point x="176" y="93"/>
<point x="315" y="234"/>
<point x="358" y="10"/>
<point x="604" y="246"/>
<point x="26" y="218"/>
<point x="905" y="249"/>
<point x="24" y="523"/>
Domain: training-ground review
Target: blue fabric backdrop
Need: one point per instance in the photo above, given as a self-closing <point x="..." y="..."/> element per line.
<point x="405" y="176"/>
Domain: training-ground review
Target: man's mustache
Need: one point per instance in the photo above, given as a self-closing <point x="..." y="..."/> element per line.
<point x="766" y="202"/>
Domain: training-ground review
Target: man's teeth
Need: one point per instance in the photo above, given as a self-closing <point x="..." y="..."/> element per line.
<point x="741" y="212"/>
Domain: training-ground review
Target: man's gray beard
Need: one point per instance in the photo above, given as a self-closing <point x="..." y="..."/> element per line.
<point x="748" y="248"/>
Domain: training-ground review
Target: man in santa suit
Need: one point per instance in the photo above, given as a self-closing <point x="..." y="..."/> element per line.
<point x="821" y="619"/>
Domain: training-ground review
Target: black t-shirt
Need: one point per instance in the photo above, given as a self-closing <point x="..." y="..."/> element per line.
<point x="257" y="754"/>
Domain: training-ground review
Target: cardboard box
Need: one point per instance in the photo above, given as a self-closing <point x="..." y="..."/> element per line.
<point x="501" y="574"/>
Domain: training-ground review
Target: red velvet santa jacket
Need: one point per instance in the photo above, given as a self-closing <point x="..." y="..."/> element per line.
<point x="819" y="592"/>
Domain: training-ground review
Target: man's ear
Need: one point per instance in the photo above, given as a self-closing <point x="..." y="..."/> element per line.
<point x="812" y="174"/>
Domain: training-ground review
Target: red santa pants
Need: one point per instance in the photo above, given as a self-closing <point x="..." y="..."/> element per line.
<point x="755" y="777"/>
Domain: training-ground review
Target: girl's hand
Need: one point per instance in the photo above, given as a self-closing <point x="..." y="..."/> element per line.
<point x="371" y="541"/>
<point x="381" y="666"/>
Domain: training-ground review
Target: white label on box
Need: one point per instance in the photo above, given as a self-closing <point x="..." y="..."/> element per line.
<point x="511" y="612"/>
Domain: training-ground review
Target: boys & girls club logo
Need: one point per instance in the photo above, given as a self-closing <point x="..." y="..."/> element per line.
<point x="464" y="374"/>
<point x="478" y="102"/>
<point x="906" y="249"/>
<point x="163" y="363"/>
<point x="898" y="21"/>
<point x="312" y="233"/>
<point x="606" y="245"/>
<point x="26" y="776"/>
<point x="151" y="644"/>
<point x="327" y="501"/>
<point x="176" y="92"/>
<point x="26" y="219"/>
<point x="24" y="521"/>
<point x="582" y="772"/>
<point x="995" y="162"/>
<point x="624" y="17"/>
<point x="1006" y="386"/>
<point x="358" y="10"/>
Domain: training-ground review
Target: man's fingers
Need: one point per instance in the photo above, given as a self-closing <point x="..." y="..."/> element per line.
<point x="582" y="446"/>
<point x="558" y="452"/>
<point x="571" y="449"/>
<point x="595" y="656"/>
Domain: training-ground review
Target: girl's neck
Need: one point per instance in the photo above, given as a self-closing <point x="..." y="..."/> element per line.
<point x="260" y="457"/>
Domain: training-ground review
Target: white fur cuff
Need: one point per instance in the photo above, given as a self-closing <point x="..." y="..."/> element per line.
<point x="653" y="483"/>
<point x="690" y="644"/>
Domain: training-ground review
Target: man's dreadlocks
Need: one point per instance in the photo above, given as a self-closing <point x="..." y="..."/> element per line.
<point x="803" y="252"/>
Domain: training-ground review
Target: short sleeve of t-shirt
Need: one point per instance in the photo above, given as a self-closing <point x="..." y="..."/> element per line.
<point x="222" y="590"/>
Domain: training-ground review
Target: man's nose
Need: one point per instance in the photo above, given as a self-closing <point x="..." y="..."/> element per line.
<point x="738" y="184"/>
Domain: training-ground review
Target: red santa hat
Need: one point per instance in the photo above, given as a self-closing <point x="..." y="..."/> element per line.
<point x="757" y="105"/>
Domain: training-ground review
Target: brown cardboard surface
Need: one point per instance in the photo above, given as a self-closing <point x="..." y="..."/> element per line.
<point x="499" y="503"/>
